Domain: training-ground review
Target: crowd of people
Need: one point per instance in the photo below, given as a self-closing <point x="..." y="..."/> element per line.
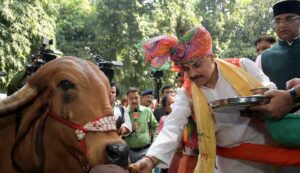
<point x="227" y="142"/>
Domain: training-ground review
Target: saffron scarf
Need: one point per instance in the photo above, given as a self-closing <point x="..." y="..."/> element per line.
<point x="242" y="82"/>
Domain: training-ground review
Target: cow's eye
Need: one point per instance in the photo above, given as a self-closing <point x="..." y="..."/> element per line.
<point x="66" y="85"/>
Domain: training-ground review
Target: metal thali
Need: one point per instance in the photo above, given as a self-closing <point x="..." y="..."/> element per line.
<point x="238" y="104"/>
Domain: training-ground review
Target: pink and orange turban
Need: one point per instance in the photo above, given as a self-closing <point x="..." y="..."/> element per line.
<point x="196" y="43"/>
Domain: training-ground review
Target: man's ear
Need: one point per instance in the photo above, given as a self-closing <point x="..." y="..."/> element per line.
<point x="212" y="58"/>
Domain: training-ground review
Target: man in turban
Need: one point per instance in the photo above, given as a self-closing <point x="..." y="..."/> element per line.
<point x="281" y="62"/>
<point x="209" y="79"/>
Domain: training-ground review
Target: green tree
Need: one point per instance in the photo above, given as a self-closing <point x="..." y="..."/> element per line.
<point x="75" y="26"/>
<point x="117" y="29"/>
<point x="22" y="26"/>
<point x="234" y="25"/>
<point x="123" y="27"/>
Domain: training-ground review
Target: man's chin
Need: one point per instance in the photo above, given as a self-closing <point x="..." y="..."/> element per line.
<point x="199" y="83"/>
<point x="133" y="107"/>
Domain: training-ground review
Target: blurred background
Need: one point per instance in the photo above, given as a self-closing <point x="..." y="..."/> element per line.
<point x="114" y="30"/>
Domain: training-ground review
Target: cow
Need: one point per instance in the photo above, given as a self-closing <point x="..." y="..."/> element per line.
<point x="65" y="121"/>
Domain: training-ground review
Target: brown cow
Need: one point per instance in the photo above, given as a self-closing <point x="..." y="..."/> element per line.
<point x="67" y="123"/>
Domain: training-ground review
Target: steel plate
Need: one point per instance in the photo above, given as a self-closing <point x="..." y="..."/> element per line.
<point x="238" y="104"/>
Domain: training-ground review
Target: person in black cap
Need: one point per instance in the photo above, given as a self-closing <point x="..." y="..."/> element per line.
<point x="147" y="97"/>
<point x="281" y="62"/>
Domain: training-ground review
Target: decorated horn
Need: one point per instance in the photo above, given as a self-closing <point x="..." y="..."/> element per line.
<point x="17" y="100"/>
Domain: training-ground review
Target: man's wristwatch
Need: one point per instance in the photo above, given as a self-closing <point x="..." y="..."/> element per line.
<point x="294" y="95"/>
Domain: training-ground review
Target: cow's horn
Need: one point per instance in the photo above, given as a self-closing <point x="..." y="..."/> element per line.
<point x="18" y="99"/>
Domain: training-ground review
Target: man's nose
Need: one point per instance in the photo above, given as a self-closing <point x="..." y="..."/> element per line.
<point x="192" y="73"/>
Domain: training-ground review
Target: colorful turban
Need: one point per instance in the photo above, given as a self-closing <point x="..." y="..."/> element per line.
<point x="196" y="43"/>
<point x="157" y="50"/>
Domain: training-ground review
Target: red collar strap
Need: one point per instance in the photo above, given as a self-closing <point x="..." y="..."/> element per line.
<point x="100" y="124"/>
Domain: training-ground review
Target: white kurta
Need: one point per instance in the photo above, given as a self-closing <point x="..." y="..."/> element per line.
<point x="258" y="62"/>
<point x="231" y="130"/>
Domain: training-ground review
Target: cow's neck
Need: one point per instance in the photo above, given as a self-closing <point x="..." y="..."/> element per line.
<point x="7" y="134"/>
<point x="61" y="146"/>
<point x="28" y="149"/>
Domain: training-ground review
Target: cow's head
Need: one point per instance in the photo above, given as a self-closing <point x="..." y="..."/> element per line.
<point x="65" y="96"/>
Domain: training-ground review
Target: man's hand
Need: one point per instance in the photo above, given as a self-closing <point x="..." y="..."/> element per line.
<point x="145" y="165"/>
<point x="123" y="131"/>
<point x="292" y="83"/>
<point x="280" y="104"/>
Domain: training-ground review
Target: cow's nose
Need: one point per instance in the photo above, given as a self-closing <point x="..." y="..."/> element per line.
<point x="118" y="154"/>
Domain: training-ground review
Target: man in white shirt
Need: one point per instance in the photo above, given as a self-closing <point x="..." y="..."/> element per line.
<point x="121" y="114"/>
<point x="210" y="79"/>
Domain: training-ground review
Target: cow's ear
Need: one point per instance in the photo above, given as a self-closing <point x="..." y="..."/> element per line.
<point x="29" y="139"/>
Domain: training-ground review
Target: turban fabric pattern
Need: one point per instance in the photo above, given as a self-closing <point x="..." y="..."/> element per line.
<point x="196" y="43"/>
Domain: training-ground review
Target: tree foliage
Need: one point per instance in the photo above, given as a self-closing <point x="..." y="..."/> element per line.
<point x="116" y="30"/>
<point x="234" y="25"/>
<point x="23" y="23"/>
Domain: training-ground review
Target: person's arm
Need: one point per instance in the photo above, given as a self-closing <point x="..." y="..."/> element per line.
<point x="258" y="62"/>
<point x="163" y="148"/>
<point x="281" y="101"/>
<point x="126" y="127"/>
<point x="249" y="66"/>
<point x="153" y="125"/>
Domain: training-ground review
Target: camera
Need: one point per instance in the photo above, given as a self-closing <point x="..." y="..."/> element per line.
<point x="43" y="55"/>
<point x="2" y="74"/>
<point x="157" y="74"/>
<point x="106" y="67"/>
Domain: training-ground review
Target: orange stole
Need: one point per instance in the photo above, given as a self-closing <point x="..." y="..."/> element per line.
<point x="187" y="164"/>
<point x="262" y="153"/>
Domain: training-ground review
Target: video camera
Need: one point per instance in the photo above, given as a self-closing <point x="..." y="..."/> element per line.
<point x="157" y="74"/>
<point x="106" y="67"/>
<point x="43" y="55"/>
<point x="2" y="74"/>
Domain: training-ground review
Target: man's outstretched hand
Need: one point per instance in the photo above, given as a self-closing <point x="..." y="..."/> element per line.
<point x="280" y="103"/>
<point x="145" y="165"/>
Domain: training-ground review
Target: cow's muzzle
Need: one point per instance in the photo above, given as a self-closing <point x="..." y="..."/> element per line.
<point x="118" y="154"/>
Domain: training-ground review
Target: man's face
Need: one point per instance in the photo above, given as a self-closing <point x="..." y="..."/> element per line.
<point x="287" y="26"/>
<point x="147" y="100"/>
<point x="113" y="94"/>
<point x="201" y="71"/>
<point x="261" y="46"/>
<point x="133" y="100"/>
<point x="179" y="81"/>
<point x="167" y="91"/>
<point x="170" y="100"/>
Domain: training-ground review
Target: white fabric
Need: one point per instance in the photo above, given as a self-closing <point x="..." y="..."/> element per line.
<point x="258" y="62"/>
<point x="251" y="67"/>
<point x="2" y="95"/>
<point x="127" y="122"/>
<point x="231" y="130"/>
<point x="102" y="124"/>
